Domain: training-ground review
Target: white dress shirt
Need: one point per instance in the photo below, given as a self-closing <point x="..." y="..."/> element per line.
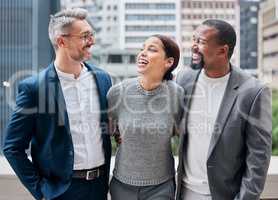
<point x="83" y="108"/>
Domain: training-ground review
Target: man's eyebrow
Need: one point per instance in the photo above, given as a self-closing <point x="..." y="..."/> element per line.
<point x="88" y="31"/>
<point x="204" y="39"/>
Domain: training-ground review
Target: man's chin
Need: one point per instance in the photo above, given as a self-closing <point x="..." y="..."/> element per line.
<point x="87" y="57"/>
<point x="196" y="65"/>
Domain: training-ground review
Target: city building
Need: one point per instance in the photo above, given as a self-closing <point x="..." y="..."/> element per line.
<point x="24" y="47"/>
<point x="120" y="64"/>
<point x="194" y="12"/>
<point x="124" y="25"/>
<point x="268" y="40"/>
<point x="249" y="35"/>
<point x="140" y="19"/>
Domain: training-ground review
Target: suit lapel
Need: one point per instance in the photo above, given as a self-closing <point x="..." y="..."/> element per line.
<point x="99" y="83"/>
<point x="189" y="93"/>
<point x="55" y="92"/>
<point x="189" y="90"/>
<point x="226" y="106"/>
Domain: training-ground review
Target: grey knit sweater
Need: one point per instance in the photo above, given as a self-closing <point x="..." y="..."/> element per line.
<point x="146" y="121"/>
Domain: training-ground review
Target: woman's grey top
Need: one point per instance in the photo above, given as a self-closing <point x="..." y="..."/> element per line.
<point x="146" y="121"/>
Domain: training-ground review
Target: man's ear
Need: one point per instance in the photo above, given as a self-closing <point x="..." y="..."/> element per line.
<point x="170" y="62"/>
<point x="224" y="50"/>
<point x="60" y="41"/>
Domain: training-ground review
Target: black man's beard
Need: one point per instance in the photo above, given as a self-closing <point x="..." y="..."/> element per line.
<point x="198" y="65"/>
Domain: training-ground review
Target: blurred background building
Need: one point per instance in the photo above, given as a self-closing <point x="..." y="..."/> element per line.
<point x="249" y="35"/>
<point x="194" y="12"/>
<point x="268" y="43"/>
<point x="24" y="46"/>
<point x="122" y="27"/>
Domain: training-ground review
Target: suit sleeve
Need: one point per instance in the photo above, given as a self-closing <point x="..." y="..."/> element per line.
<point x="179" y="123"/>
<point x="18" y="136"/>
<point x="259" y="144"/>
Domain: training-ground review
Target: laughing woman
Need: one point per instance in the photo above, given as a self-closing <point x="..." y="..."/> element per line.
<point x="146" y="111"/>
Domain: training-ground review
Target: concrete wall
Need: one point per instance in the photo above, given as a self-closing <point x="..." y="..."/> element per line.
<point x="12" y="189"/>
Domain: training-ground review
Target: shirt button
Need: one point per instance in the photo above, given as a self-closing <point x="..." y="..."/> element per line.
<point x="70" y="153"/>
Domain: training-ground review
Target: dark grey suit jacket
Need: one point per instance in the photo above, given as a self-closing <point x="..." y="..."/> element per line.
<point x="240" y="147"/>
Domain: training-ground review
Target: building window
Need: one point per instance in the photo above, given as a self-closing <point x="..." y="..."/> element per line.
<point x="138" y="6"/>
<point x="115" y="58"/>
<point x="194" y="4"/>
<point x="135" y="39"/>
<point x="131" y="17"/>
<point x="132" y="59"/>
<point x="253" y="8"/>
<point x="253" y="54"/>
<point x="183" y="4"/>
<point x="221" y="4"/>
<point x="253" y="20"/>
<point x="232" y="5"/>
<point x="150" y="28"/>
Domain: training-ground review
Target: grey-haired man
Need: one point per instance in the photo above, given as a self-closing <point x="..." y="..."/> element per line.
<point x="62" y="113"/>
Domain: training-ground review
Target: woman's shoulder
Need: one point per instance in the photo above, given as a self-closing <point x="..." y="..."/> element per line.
<point x="120" y="87"/>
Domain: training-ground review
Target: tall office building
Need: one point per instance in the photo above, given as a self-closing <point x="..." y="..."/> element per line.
<point x="125" y="24"/>
<point x="249" y="35"/>
<point x="122" y="26"/>
<point x="194" y="12"/>
<point x="141" y="18"/>
<point x="268" y="40"/>
<point x="24" y="46"/>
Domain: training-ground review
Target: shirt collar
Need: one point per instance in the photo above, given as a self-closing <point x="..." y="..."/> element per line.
<point x="70" y="76"/>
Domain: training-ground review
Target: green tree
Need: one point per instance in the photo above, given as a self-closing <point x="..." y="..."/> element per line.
<point x="275" y="122"/>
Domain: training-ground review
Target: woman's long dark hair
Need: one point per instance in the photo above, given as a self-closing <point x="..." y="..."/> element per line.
<point x="171" y="49"/>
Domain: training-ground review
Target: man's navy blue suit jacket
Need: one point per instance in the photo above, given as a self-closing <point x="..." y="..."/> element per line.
<point x="40" y="118"/>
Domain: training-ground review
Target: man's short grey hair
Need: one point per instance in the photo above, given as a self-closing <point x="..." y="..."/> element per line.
<point x="61" y="22"/>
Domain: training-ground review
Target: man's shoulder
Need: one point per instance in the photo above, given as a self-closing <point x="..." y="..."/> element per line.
<point x="247" y="81"/>
<point x="36" y="80"/>
<point x="100" y="74"/>
<point x="249" y="87"/>
<point x="186" y="76"/>
<point x="96" y="69"/>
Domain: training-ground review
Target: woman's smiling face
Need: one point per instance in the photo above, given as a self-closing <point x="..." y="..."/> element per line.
<point x="152" y="59"/>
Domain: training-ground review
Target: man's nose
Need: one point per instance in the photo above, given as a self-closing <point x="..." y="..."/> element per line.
<point x="91" y="41"/>
<point x="194" y="47"/>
